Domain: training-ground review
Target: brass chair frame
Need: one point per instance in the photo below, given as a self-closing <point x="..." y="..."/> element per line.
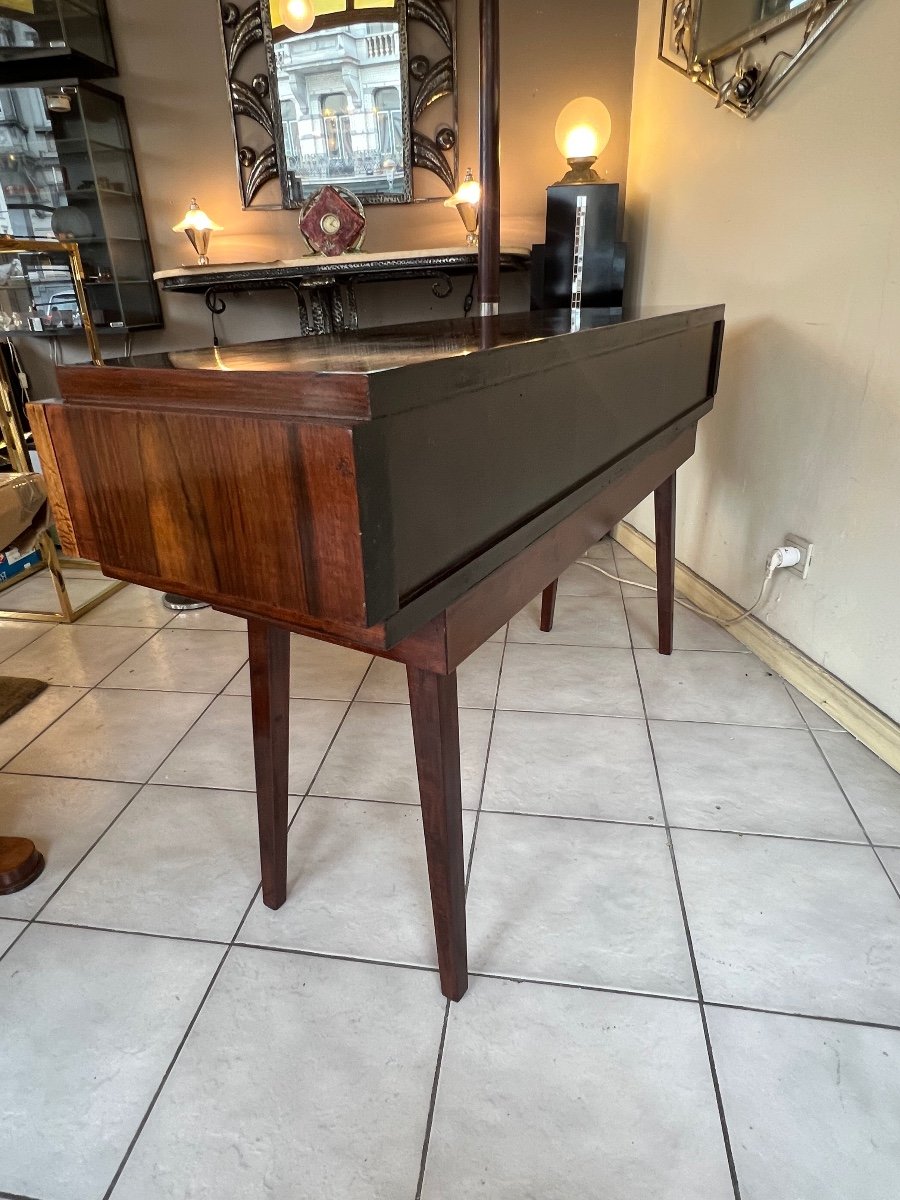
<point x="11" y="428"/>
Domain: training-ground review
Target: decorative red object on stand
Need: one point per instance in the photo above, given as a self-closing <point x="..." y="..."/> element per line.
<point x="333" y="222"/>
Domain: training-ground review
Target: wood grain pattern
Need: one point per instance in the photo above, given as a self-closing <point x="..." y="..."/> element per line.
<point x="231" y="507"/>
<point x="435" y="721"/>
<point x="270" y="660"/>
<point x="68" y="461"/>
<point x="56" y="491"/>
<point x="20" y="864"/>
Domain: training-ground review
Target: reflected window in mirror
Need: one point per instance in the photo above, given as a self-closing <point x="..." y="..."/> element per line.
<point x="341" y="97"/>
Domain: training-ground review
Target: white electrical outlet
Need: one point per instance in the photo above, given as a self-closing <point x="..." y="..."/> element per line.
<point x="806" y="550"/>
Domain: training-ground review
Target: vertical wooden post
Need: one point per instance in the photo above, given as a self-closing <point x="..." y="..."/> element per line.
<point x="435" y="720"/>
<point x="664" y="505"/>
<point x="548" y="606"/>
<point x="270" y="661"/>
<point x="489" y="134"/>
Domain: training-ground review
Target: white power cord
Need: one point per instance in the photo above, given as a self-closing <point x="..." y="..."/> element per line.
<point x="784" y="556"/>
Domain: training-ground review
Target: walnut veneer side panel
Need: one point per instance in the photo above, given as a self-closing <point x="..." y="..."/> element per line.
<point x="61" y="475"/>
<point x="224" y="506"/>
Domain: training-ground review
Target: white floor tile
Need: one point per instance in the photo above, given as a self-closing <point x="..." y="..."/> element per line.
<point x="37" y="593"/>
<point x="179" y="861"/>
<point x="601" y="552"/>
<point x="112" y="735"/>
<point x="579" y="580"/>
<point x="303" y="1077"/>
<point x="207" y="618"/>
<point x="570" y="766"/>
<point x="357" y="884"/>
<point x="63" y="817"/>
<point x="218" y="751"/>
<point x="9" y="931"/>
<point x="553" y="1093"/>
<point x="578" y="621"/>
<point x="806" y="927"/>
<point x="373" y="756"/>
<point x="134" y="605"/>
<point x="813" y="1107"/>
<point x="319" y="671"/>
<point x="76" y="655"/>
<point x="871" y="785"/>
<point x="692" y="632"/>
<point x="632" y="569"/>
<point x="185" y="660"/>
<point x="815" y="717"/>
<point x="699" y="685"/>
<point x="477" y="678"/>
<point x="576" y="902"/>
<point x="750" y="780"/>
<point x="88" y="1025"/>
<point x="570" y="679"/>
<point x="16" y="635"/>
<point x="17" y="731"/>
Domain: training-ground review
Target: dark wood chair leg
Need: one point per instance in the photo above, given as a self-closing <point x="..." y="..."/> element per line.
<point x="270" y="661"/>
<point x="435" y="719"/>
<point x="664" y="503"/>
<point x="548" y="606"/>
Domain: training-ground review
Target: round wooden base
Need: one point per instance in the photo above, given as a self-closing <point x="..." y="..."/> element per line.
<point x="20" y="864"/>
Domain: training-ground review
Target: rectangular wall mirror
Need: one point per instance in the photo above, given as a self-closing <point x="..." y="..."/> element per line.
<point x="366" y="99"/>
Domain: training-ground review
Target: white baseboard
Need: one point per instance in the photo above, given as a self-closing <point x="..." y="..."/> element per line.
<point x="851" y="711"/>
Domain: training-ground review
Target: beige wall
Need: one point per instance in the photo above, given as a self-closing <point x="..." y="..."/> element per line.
<point x="173" y="78"/>
<point x="792" y="219"/>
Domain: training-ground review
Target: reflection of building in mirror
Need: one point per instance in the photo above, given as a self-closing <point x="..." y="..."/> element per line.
<point x="341" y="97"/>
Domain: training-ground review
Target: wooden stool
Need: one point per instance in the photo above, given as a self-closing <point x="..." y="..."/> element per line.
<point x="20" y="864"/>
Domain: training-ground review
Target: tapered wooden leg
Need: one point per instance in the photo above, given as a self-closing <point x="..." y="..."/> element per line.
<point x="435" y="718"/>
<point x="664" y="502"/>
<point x="548" y="606"/>
<point x="270" y="660"/>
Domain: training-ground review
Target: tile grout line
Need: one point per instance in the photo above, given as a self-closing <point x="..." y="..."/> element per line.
<point x="720" y="1104"/>
<point x="869" y="841"/>
<point x="139" y="788"/>
<point x="309" y="789"/>
<point x="429" y="1122"/>
<point x="895" y="885"/>
<point x="98" y="685"/>
<point x="230" y="946"/>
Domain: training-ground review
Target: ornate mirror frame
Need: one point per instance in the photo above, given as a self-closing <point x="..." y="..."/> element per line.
<point x="745" y="73"/>
<point x="430" y="119"/>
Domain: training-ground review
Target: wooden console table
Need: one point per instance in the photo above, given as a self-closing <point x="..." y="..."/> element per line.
<point x="404" y="492"/>
<point x="325" y="288"/>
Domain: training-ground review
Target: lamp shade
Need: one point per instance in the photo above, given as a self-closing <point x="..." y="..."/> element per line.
<point x="583" y="129"/>
<point x="467" y="201"/>
<point x="197" y="228"/>
<point x="197" y="220"/>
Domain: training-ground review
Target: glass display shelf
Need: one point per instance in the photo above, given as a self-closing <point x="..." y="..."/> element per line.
<point x="44" y="40"/>
<point x="71" y="174"/>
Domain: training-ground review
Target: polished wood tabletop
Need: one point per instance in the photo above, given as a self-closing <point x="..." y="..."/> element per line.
<point x="355" y="374"/>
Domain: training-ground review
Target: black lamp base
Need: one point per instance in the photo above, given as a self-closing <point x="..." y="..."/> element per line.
<point x="589" y="211"/>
